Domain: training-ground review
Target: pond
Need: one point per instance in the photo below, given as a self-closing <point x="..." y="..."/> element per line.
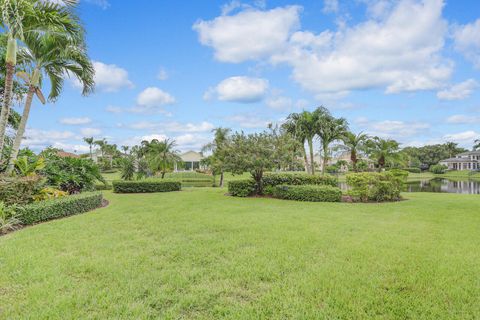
<point x="439" y="185"/>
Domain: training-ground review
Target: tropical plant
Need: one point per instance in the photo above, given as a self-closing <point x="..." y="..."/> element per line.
<point x="217" y="160"/>
<point x="329" y="129"/>
<point x="127" y="168"/>
<point x="90" y="142"/>
<point x="26" y="166"/>
<point x="477" y="144"/>
<point x="161" y="155"/>
<point x="382" y="150"/>
<point x="49" y="193"/>
<point x="22" y="18"/>
<point x="451" y="148"/>
<point x="296" y="125"/>
<point x="354" y="143"/>
<point x="8" y="218"/>
<point x="287" y="148"/>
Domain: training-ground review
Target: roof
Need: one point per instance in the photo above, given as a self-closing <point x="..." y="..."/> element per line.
<point x="470" y="153"/>
<point x="457" y="160"/>
<point x="191" y="156"/>
<point x="63" y="154"/>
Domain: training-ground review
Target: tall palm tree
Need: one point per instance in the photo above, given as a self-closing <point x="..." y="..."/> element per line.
<point x="296" y="125"/>
<point x="217" y="147"/>
<point x="101" y="144"/>
<point x="161" y="155"/>
<point x="125" y="149"/>
<point x="451" y="148"/>
<point x="29" y="17"/>
<point x="329" y="129"/>
<point x="353" y="143"/>
<point x="382" y="150"/>
<point x="477" y="144"/>
<point x="89" y="141"/>
<point x="52" y="56"/>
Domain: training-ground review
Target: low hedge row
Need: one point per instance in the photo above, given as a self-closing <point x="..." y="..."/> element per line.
<point x="101" y="186"/>
<point x="241" y="188"/>
<point x="58" y="208"/>
<point x="313" y="193"/>
<point x="146" y="186"/>
<point x="275" y="179"/>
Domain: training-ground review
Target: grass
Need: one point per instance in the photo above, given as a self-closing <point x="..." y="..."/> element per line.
<point x="198" y="254"/>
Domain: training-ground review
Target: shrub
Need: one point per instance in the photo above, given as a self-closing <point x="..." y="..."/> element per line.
<point x="8" y="219"/>
<point x="373" y="186"/>
<point x="241" y="188"/>
<point x="19" y="190"/>
<point x="146" y="186"/>
<point x="401" y="174"/>
<point x="49" y="193"/>
<point x="191" y="179"/>
<point x="127" y="168"/>
<point x="413" y="170"/>
<point x="438" y="169"/>
<point x="57" y="208"/>
<point x="313" y="193"/>
<point x="103" y="186"/>
<point x="275" y="179"/>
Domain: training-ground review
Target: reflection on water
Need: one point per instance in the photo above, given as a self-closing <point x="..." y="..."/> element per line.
<point x="438" y="185"/>
<point x="444" y="185"/>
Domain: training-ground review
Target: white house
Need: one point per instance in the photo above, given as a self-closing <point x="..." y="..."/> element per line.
<point x="463" y="161"/>
<point x="190" y="161"/>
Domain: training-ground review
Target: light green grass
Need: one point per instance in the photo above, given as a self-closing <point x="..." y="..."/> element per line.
<point x="198" y="254"/>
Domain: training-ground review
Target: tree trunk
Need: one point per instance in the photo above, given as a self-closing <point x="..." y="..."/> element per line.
<point x="312" y="161"/>
<point x="21" y="129"/>
<point x="163" y="174"/>
<point x="221" y="179"/>
<point x="7" y="100"/>
<point x="305" y="159"/>
<point x="325" y="160"/>
<point x="353" y="157"/>
<point x="258" y="176"/>
<point x="91" y="154"/>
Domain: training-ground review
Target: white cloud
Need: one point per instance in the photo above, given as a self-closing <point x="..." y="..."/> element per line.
<point x="239" y="89"/>
<point x="330" y="6"/>
<point x="463" y="119"/>
<point x="75" y="121"/>
<point x="184" y="142"/>
<point x="104" y="4"/>
<point x="394" y="129"/>
<point x="88" y="132"/>
<point x="110" y="78"/>
<point x="466" y="137"/>
<point x="162" y="74"/>
<point x="154" y="97"/>
<point x="172" y="126"/>
<point x="459" y="91"/>
<point x="280" y="103"/>
<point x="249" y="121"/>
<point x="467" y="41"/>
<point x="249" y="34"/>
<point x="39" y="139"/>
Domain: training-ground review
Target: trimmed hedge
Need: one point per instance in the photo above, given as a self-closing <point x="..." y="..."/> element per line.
<point x="101" y="186"/>
<point x="58" y="208"/>
<point x="313" y="193"/>
<point x="275" y="179"/>
<point x="372" y="186"/>
<point x="146" y="186"/>
<point x="241" y="188"/>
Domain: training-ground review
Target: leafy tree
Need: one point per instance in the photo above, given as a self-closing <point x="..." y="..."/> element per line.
<point x="287" y="148"/>
<point x="382" y="150"/>
<point x="429" y="155"/>
<point x="253" y="153"/>
<point x="33" y="18"/>
<point x="161" y="155"/>
<point x="27" y="166"/>
<point x="354" y="144"/>
<point x="329" y="129"/>
<point x="218" y="146"/>
<point x="52" y="56"/>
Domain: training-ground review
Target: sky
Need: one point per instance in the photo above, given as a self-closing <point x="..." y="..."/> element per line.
<point x="407" y="70"/>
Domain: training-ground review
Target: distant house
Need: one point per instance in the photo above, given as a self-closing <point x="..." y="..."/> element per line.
<point x="463" y="161"/>
<point x="63" y="154"/>
<point x="190" y="161"/>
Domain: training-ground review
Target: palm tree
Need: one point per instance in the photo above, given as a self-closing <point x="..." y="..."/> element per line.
<point x="125" y="149"/>
<point x="451" y="148"/>
<point x="477" y="144"/>
<point x="53" y="56"/>
<point x="382" y="150"/>
<point x="217" y="147"/>
<point x="161" y="155"/>
<point x="297" y="127"/>
<point x="89" y="141"/>
<point x="33" y="18"/>
<point x="101" y="144"/>
<point x="353" y="143"/>
<point x="329" y="129"/>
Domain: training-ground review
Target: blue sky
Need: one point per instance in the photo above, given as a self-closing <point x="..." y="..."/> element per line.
<point x="408" y="70"/>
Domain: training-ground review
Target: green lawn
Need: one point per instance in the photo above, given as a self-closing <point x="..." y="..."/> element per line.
<point x="198" y="254"/>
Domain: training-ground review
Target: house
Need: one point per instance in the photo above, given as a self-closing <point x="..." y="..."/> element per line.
<point x="190" y="161"/>
<point x="463" y="161"/>
<point x="63" y="154"/>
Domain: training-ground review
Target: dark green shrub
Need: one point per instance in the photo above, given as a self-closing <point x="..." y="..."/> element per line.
<point x="103" y="186"/>
<point x="275" y="179"/>
<point x="373" y="186"/>
<point x="241" y="188"/>
<point x="313" y="193"/>
<point x="19" y="190"/>
<point x="438" y="169"/>
<point x="60" y="207"/>
<point x="146" y="186"/>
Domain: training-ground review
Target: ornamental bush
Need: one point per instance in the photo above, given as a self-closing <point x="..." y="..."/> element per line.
<point x="146" y="186"/>
<point x="57" y="208"/>
<point x="275" y="179"/>
<point x="438" y="169"/>
<point x="241" y="188"/>
<point x="373" y="186"/>
<point x="19" y="190"/>
<point x="313" y="193"/>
